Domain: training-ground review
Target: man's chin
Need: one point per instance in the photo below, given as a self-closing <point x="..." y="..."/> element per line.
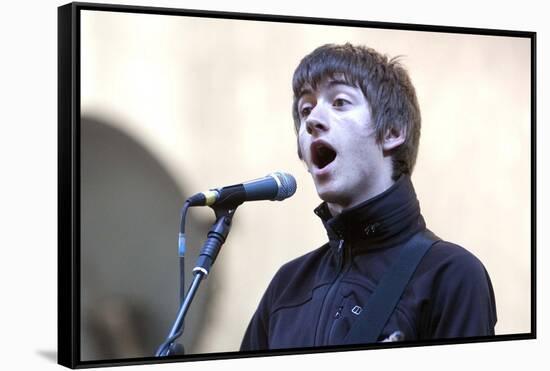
<point x="330" y="196"/>
<point x="336" y="199"/>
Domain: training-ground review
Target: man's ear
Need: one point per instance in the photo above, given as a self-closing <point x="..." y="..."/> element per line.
<point x="393" y="138"/>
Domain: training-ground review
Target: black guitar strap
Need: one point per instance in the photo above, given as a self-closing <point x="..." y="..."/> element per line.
<point x="382" y="302"/>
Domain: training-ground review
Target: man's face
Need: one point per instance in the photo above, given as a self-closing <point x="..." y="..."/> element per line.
<point x="338" y="144"/>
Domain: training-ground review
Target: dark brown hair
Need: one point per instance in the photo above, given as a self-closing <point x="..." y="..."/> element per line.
<point x="385" y="84"/>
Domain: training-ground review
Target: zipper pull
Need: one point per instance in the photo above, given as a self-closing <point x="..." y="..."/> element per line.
<point x="340" y="255"/>
<point x="340" y="245"/>
<point x="338" y="312"/>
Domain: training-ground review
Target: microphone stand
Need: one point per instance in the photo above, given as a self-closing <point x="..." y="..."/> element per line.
<point x="211" y="247"/>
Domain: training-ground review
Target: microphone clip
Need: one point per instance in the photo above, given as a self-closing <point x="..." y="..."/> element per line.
<point x="214" y="241"/>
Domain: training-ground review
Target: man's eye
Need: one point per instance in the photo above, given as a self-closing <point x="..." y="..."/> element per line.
<point x="339" y="102"/>
<point x="305" y="111"/>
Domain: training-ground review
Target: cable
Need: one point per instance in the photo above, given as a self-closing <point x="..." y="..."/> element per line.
<point x="164" y="347"/>
<point x="181" y="239"/>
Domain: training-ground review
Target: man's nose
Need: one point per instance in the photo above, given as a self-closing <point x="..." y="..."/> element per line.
<point x="317" y="121"/>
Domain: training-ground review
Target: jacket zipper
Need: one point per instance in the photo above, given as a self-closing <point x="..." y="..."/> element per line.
<point x="321" y="338"/>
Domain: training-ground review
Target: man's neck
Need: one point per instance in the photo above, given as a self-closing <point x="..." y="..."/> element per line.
<point x="337" y="208"/>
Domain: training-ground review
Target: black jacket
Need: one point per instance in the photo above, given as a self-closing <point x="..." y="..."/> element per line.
<point x="313" y="300"/>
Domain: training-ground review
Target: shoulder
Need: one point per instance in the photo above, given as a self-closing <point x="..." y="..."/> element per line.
<point x="452" y="267"/>
<point x="447" y="255"/>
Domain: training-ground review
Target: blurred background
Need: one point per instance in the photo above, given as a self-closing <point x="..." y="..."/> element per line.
<point x="176" y="105"/>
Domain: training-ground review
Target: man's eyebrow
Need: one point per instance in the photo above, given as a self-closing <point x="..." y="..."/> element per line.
<point x="331" y="84"/>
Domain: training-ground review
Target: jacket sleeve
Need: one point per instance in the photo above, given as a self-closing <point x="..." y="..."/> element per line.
<point x="463" y="302"/>
<point x="255" y="337"/>
<point x="257" y="333"/>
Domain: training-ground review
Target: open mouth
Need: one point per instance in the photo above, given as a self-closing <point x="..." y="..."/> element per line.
<point x="322" y="154"/>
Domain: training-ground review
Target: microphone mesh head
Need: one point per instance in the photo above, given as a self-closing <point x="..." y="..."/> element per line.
<point x="287" y="185"/>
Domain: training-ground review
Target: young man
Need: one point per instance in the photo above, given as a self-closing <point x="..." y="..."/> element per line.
<point x="358" y="125"/>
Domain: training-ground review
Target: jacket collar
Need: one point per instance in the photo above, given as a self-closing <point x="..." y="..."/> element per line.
<point x="382" y="221"/>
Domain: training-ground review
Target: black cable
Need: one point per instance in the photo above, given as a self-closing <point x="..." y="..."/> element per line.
<point x="182" y="223"/>
<point x="182" y="246"/>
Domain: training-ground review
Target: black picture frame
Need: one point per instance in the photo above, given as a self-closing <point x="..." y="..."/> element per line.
<point x="69" y="179"/>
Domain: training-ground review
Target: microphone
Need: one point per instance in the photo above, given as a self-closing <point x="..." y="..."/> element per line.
<point x="274" y="187"/>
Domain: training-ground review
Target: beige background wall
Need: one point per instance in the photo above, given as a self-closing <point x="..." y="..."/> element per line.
<point x="211" y="99"/>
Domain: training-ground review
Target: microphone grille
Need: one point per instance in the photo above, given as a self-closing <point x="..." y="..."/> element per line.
<point x="287" y="185"/>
